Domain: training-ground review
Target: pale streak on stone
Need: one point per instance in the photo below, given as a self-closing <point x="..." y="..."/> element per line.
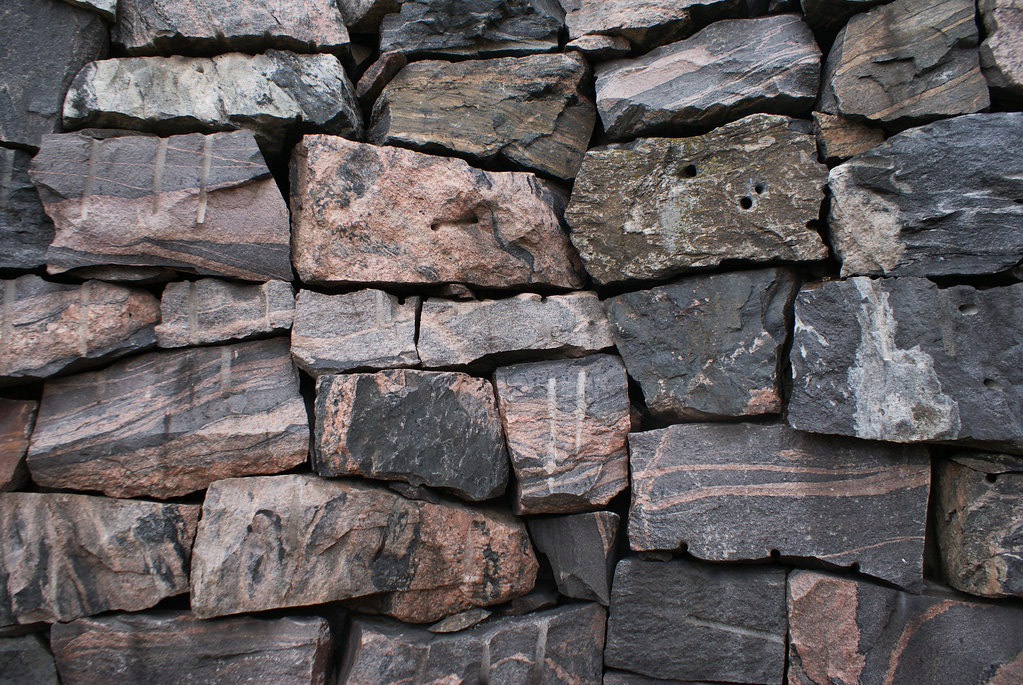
<point x="380" y="305"/>
<point x="204" y="176"/>
<point x="552" y="416"/>
<point x="866" y="226"/>
<point x="90" y="180"/>
<point x="83" y="318"/>
<point x="225" y="371"/>
<point x="193" y="311"/>
<point x="580" y="408"/>
<point x="536" y="672"/>
<point x="158" y="166"/>
<point x="724" y="627"/>
<point x="6" y="176"/>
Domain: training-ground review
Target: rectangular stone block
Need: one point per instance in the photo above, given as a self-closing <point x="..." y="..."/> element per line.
<point x="581" y="550"/>
<point x="17" y="417"/>
<point x="211" y="311"/>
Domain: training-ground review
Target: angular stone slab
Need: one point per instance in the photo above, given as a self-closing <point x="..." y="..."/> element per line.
<point x="454" y="333"/>
<point x="17" y="417"/>
<point x="195" y="203"/>
<point x="906" y="63"/>
<point x="364" y="16"/>
<point x="685" y="621"/>
<point x="26" y="659"/>
<point x="936" y="200"/>
<point x="76" y="556"/>
<point x="581" y="551"/>
<point x="210" y="311"/>
<point x="378" y="75"/>
<point x="273" y="94"/>
<point x="368" y="329"/>
<point x="839" y="138"/>
<point x="831" y="15"/>
<point x="646" y="24"/>
<point x="706" y="346"/>
<point x="660" y="206"/>
<point x="904" y="361"/>
<point x="979" y="509"/>
<point x="566" y="424"/>
<point x="597" y="48"/>
<point x="174" y="647"/>
<point x="847" y="631"/>
<point x="43" y="44"/>
<point x="728" y="70"/>
<point x="106" y="8"/>
<point x="1001" y="55"/>
<point x="49" y="328"/>
<point x="169" y="423"/>
<point x="561" y="645"/>
<point x="25" y="230"/>
<point x="423" y="427"/>
<point x="370" y="214"/>
<point x="205" y="27"/>
<point x="531" y="112"/>
<point x="737" y="492"/>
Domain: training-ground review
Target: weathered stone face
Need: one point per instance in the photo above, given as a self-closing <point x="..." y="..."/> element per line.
<point x="77" y="555"/>
<point x="904" y="361"/>
<point x="660" y="206"/>
<point x="170" y="423"/>
<point x="423" y="427"/>
<point x="684" y="621"/>
<point x="531" y="112"/>
<point x="906" y="63"/>
<point x="368" y="329"/>
<point x="25" y="230"/>
<point x="186" y="202"/>
<point x="210" y="310"/>
<point x="832" y="15"/>
<point x="561" y="645"/>
<point x="851" y="632"/>
<point x="1001" y="56"/>
<point x="51" y="328"/>
<point x="728" y="70"/>
<point x="106" y="8"/>
<point x="26" y="659"/>
<point x="378" y="75"/>
<point x="266" y="543"/>
<point x="454" y="333"/>
<point x="600" y="47"/>
<point x="370" y="214"/>
<point x="936" y="200"/>
<point x="566" y="423"/>
<point x="364" y="16"/>
<point x="645" y="24"/>
<point x="735" y="492"/>
<point x="839" y="138"/>
<point x="175" y="647"/>
<point x="16" y="420"/>
<point x="581" y="552"/>
<point x="706" y="346"/>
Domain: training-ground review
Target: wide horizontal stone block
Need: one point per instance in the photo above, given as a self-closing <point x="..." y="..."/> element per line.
<point x="26" y="659"/>
<point x="76" y="556"/>
<point x="646" y="24"/>
<point x="25" y="230"/>
<point x="195" y="203"/>
<point x="17" y="417"/>
<point x="169" y="423"/>
<point x="660" y="206"/>
<point x="210" y="311"/>
<point x="1001" y="54"/>
<point x="581" y="550"/>
<point x="266" y="543"/>
<point x="370" y="214"/>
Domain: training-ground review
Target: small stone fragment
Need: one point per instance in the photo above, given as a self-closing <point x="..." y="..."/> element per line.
<point x="76" y="556"/>
<point x="623" y="678"/>
<point x="707" y="346"/>
<point x="581" y="552"/>
<point x="661" y="206"/>
<point x="379" y="74"/>
<point x="455" y="333"/>
<point x="17" y="417"/>
<point x="439" y="429"/>
<point x="25" y="230"/>
<point x="106" y="8"/>
<point x="364" y="16"/>
<point x="25" y="660"/>
<point x="649" y="23"/>
<point x="169" y="423"/>
<point x="543" y="596"/>
<point x="839" y="138"/>
<point x="296" y="540"/>
<point x="600" y="47"/>
<point x="531" y="112"/>
<point x="566" y="424"/>
<point x="728" y="70"/>
<point x="831" y="15"/>
<point x="210" y="311"/>
<point x="462" y="621"/>
<point x="143" y="275"/>
<point x="371" y="214"/>
<point x="368" y="329"/>
<point x="1001" y="54"/>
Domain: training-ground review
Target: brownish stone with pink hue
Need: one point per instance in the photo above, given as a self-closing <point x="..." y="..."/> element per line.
<point x="646" y="23"/>
<point x="379" y="74"/>
<point x="16" y="420"/>
<point x="839" y="138"/>
<point x="211" y="310"/>
<point x="295" y="540"/>
<point x="369" y="214"/>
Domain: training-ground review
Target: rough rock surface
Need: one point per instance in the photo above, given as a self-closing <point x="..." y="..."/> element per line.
<point x="831" y="15"/>
<point x="844" y="631"/>
<point x="378" y="75"/>
<point x="530" y="111"/>
<point x="210" y="311"/>
<point x="660" y="206"/>
<point x="453" y="333"/>
<point x="106" y="8"/>
<point x="706" y="346"/>
<point x="369" y="214"/>
<point x="439" y="429"/>
<point x="43" y="44"/>
<point x="160" y="27"/>
<point x="736" y="492"/>
<point x="280" y="541"/>
<point x="25" y="230"/>
<point x="273" y="94"/>
<point x="49" y="328"/>
<point x="839" y="138"/>
<point x="170" y="423"/>
<point x="581" y="551"/>
<point x="728" y="70"/>
<point x="566" y="424"/>
<point x="563" y="645"/>
<point x="904" y="361"/>
<point x="906" y="63"/>
<point x="16" y="420"/>
<point x="368" y="329"/>
<point x="598" y="48"/>
<point x="676" y="619"/>
<point x="25" y="660"/>
<point x="457" y="622"/>
<point x="186" y="202"/>
<point x="624" y="678"/>
<point x="364" y="16"/>
<point x="1001" y="56"/>
<point x="175" y="648"/>
<point x="648" y="23"/>
<point x="75" y="555"/>
<point x="936" y="200"/>
<point x="979" y="522"/>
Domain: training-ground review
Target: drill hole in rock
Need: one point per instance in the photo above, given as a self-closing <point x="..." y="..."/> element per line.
<point x="746" y="202"/>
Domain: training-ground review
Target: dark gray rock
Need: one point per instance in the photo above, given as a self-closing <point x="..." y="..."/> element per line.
<point x="831" y="15"/>
<point x="646" y="24"/>
<point x="25" y="660"/>
<point x="364" y="16"/>
<point x="25" y="230"/>
<point x="624" y="678"/>
<point x="106" y="8"/>
<point x="706" y="346"/>
<point x="599" y="48"/>
<point x="581" y="551"/>
<point x="941" y="199"/>
<point x="686" y="621"/>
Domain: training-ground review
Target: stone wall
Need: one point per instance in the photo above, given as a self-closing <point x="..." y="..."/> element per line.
<point x="511" y="341"/>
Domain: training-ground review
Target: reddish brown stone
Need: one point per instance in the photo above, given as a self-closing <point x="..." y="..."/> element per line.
<point x="839" y="138"/>
<point x="378" y="75"/>
<point x="210" y="311"/>
<point x="16" y="420"/>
